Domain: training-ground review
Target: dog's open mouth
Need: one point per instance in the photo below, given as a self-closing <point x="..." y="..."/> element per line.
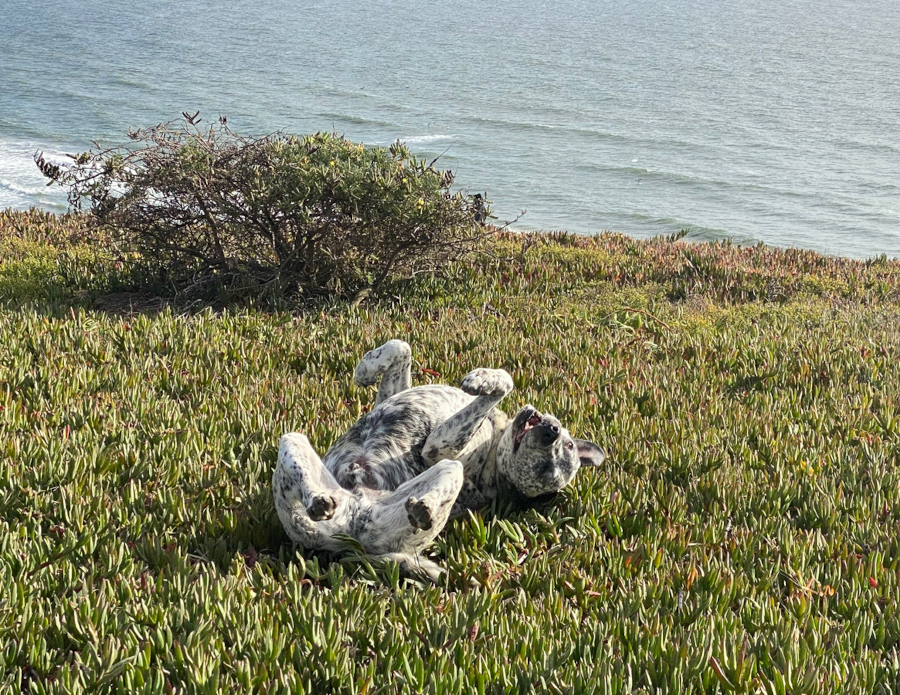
<point x="529" y="419"/>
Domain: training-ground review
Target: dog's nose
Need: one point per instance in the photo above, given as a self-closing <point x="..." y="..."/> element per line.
<point x="549" y="432"/>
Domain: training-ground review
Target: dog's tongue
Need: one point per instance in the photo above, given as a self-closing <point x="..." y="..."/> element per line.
<point x="529" y="423"/>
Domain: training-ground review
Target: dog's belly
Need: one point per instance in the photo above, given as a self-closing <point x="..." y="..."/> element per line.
<point x="384" y="448"/>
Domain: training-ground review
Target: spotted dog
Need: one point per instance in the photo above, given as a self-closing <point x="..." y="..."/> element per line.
<point x="420" y="457"/>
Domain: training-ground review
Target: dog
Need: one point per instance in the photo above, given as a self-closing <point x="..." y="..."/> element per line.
<point x="420" y="457"/>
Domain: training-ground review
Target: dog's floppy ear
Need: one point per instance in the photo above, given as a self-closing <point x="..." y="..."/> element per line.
<point x="589" y="453"/>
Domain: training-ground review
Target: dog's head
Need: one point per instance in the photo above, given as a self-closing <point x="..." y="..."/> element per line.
<point x="537" y="455"/>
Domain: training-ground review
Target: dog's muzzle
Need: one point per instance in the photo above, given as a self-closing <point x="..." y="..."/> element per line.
<point x="548" y="433"/>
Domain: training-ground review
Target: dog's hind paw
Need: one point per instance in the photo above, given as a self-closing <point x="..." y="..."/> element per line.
<point x="419" y="514"/>
<point x="322" y="507"/>
<point x="487" y="382"/>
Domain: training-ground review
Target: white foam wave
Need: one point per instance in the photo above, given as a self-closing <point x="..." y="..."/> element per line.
<point x="15" y="187"/>
<point x="22" y="185"/>
<point x="422" y="139"/>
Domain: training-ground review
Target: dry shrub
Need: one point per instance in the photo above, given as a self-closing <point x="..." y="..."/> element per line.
<point x="202" y="210"/>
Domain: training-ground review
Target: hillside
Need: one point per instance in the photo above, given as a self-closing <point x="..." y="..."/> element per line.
<point x="741" y="536"/>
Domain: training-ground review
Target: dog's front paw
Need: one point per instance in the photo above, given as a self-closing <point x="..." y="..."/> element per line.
<point x="487" y="382"/>
<point x="376" y="362"/>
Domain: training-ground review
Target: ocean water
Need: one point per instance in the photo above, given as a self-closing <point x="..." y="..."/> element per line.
<point x="754" y="120"/>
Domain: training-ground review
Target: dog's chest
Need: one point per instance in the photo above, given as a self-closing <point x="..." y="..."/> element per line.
<point x="406" y="420"/>
<point x="384" y="448"/>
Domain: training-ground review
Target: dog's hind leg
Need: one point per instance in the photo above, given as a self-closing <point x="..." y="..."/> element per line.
<point x="447" y="440"/>
<point x="310" y="503"/>
<point x="391" y="362"/>
<point x="409" y="519"/>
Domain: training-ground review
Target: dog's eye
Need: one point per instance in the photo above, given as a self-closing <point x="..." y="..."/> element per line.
<point x="570" y="445"/>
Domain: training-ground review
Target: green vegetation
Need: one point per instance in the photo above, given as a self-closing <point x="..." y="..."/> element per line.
<point x="741" y="537"/>
<point x="204" y="212"/>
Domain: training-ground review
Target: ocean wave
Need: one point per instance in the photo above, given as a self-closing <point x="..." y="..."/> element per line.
<point x="714" y="234"/>
<point x="328" y="90"/>
<point x="356" y="120"/>
<point x="383" y="101"/>
<point x="22" y="184"/>
<point x="880" y="187"/>
<point x="597" y="133"/>
<point x="415" y="140"/>
<point x="641" y="225"/>
<point x="680" y="178"/>
<point x="855" y="144"/>
<point x="670" y="225"/>
<point x="422" y="139"/>
<point x="16" y="187"/>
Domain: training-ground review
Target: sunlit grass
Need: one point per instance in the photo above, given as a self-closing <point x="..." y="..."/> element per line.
<point x="742" y="535"/>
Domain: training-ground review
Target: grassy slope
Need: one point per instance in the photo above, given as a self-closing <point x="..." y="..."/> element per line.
<point x="742" y="532"/>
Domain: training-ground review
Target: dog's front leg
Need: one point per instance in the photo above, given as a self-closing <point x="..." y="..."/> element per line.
<point x="447" y="440"/>
<point x="391" y="363"/>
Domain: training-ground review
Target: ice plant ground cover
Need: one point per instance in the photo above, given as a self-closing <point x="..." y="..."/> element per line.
<point x="742" y="535"/>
